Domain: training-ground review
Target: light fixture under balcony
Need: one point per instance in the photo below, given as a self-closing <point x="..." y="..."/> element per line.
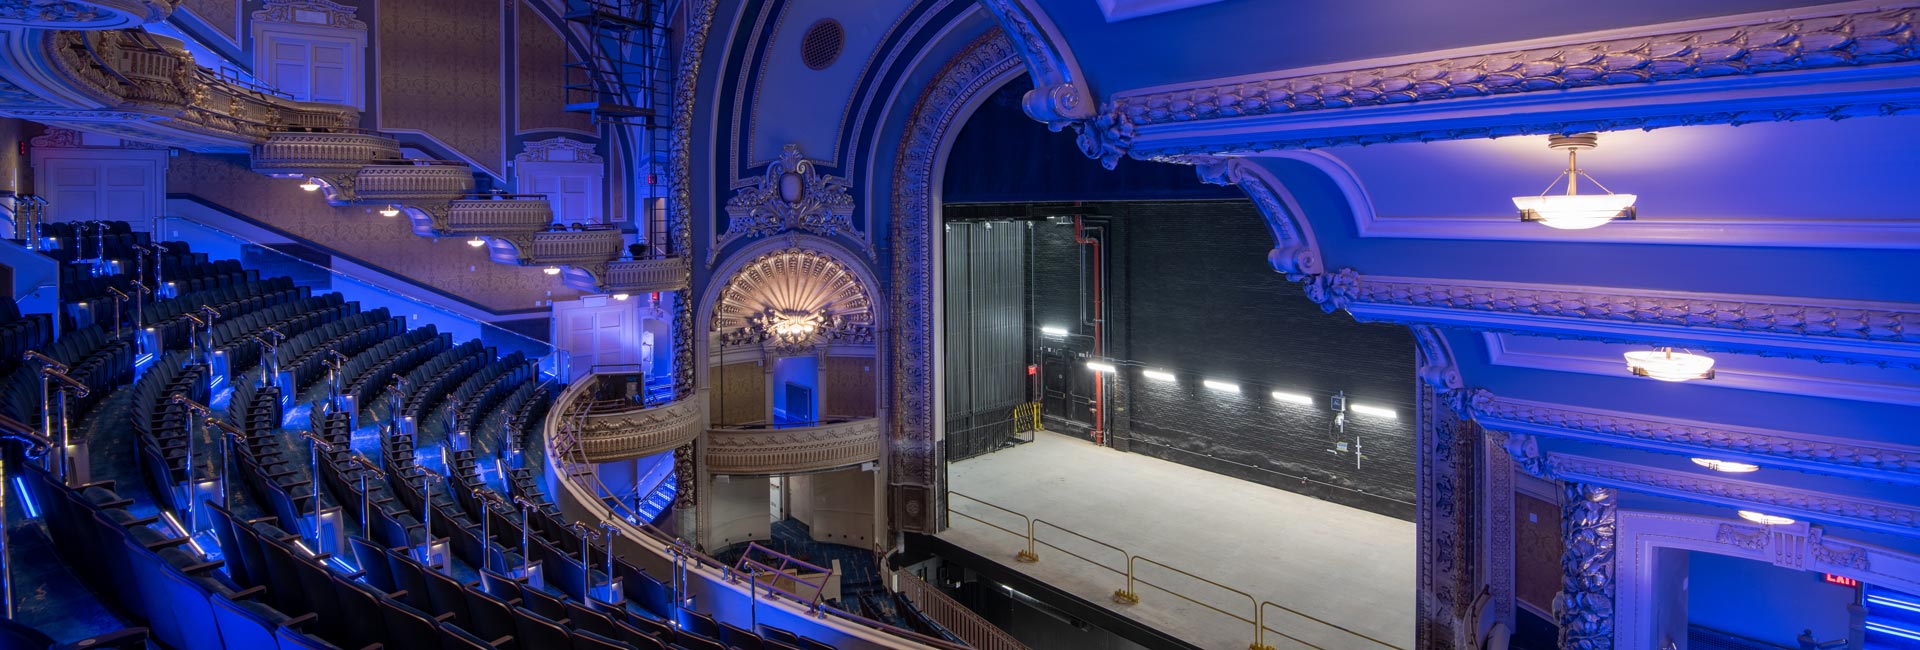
<point x="1158" y="375"/>
<point x="390" y="211"/>
<point x="622" y="296"/>
<point x="312" y="185"/>
<point x="1727" y="466"/>
<point x="476" y="242"/>
<point x="1573" y="210"/>
<point x="1293" y="398"/>
<point x="1765" y="519"/>
<point x="551" y="270"/>
<point x="1666" y="365"/>
<point x="1375" y="411"/>
<point x="1222" y="386"/>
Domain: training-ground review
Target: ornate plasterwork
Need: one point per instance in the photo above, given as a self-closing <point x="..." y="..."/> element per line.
<point x="621" y="434"/>
<point x="561" y="149"/>
<point x="85" y="14"/>
<point x="1584" y="607"/>
<point x="1446" y="522"/>
<point x="1295" y="252"/>
<point x="1763" y="44"/>
<point x="1829" y="330"/>
<point x="699" y="21"/>
<point x="310" y="12"/>
<point x="1843" y="456"/>
<point x="1060" y="96"/>
<point x="1862" y="513"/>
<point x="793" y="450"/>
<point x="59" y="138"/>
<point x="792" y="300"/>
<point x="792" y="195"/>
<point x="1752" y="538"/>
<point x="913" y="454"/>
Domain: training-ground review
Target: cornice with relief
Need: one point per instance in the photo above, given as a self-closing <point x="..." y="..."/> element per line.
<point x="1867" y="514"/>
<point x="1844" y="331"/>
<point x="1766" y="447"/>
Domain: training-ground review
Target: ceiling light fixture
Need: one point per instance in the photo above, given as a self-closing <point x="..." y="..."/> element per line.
<point x="390" y="211"/>
<point x="1053" y="331"/>
<point x="622" y="296"/>
<point x="1375" y="411"/>
<point x="551" y="270"/>
<point x="1222" y="386"/>
<point x="312" y="184"/>
<point x="1666" y="365"/>
<point x="1293" y="398"/>
<point x="1573" y="210"/>
<point x="1158" y="375"/>
<point x="1097" y="366"/>
<point x="1727" y="466"/>
<point x="1765" y="519"/>
<point x="476" y="242"/>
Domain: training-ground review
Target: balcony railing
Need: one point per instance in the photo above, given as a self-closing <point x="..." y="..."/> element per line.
<point x="413" y="181"/>
<point x="322" y="153"/>
<point x="489" y="214"/>
<point x="614" y="430"/>
<point x="648" y="275"/>
<point x="577" y="246"/>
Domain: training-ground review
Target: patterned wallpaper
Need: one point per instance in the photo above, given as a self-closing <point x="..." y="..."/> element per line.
<point x="850" y="386"/>
<point x="1536" y="551"/>
<point x="222" y="15"/>
<point x="543" y="77"/>
<point x="739" y="394"/>
<point x="440" y="74"/>
<point x="357" y="232"/>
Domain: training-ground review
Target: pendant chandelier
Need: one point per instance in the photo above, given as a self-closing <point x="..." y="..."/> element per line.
<point x="1573" y="210"/>
<point x="1666" y="365"/>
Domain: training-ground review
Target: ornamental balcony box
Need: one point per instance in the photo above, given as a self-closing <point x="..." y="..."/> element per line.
<point x="649" y="275"/>
<point x="324" y="154"/>
<point x="609" y="431"/>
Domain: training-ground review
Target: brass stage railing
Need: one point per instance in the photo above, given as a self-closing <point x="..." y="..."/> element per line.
<point x="1255" y="615"/>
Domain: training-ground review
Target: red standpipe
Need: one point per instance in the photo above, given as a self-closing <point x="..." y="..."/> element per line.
<point x="1099" y="323"/>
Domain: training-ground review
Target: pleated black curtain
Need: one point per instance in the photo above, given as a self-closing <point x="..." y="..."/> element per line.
<point x="986" y="333"/>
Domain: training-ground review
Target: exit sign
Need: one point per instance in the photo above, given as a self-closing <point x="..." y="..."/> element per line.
<point x="1842" y="580"/>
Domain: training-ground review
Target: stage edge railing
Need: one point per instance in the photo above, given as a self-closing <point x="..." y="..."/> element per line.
<point x="1255" y="616"/>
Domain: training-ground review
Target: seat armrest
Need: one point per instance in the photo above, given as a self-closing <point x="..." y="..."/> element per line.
<point x="249" y="593"/>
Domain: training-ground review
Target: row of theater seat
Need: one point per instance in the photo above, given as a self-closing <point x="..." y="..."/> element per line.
<point x="373" y="371"/>
<point x="20" y="333"/>
<point x="306" y="354"/>
<point x="92" y="355"/>
<point x="236" y="336"/>
<point x="144" y="570"/>
<point x="430" y="381"/>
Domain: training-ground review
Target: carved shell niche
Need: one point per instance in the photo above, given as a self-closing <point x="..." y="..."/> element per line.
<point x="793" y="280"/>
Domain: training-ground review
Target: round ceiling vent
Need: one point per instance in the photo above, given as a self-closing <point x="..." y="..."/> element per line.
<point x="821" y="45"/>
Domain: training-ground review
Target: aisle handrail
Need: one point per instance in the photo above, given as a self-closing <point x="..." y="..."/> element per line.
<point x="1129" y="596"/>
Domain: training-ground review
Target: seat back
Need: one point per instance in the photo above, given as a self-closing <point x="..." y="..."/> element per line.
<point x="538" y="631"/>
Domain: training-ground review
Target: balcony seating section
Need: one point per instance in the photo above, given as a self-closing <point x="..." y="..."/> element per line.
<point x="483" y="390"/>
<point x="374" y="370"/>
<point x="305" y="354"/>
<point x="162" y="427"/>
<point x="143" y="568"/>
<point x="234" y="336"/>
<point x="20" y="333"/>
<point x="431" y="380"/>
<point x="91" y="355"/>
<point x="174" y="329"/>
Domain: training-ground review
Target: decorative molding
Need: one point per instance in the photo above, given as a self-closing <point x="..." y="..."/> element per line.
<point x="791" y="195"/>
<point x="610" y="436"/>
<point x="1447" y="583"/>
<point x="1823" y="329"/>
<point x="1060" y="96"/>
<point x="1584" y="608"/>
<point x="559" y="150"/>
<point x="648" y="275"/>
<point x="1801" y="547"/>
<point x="1118" y="10"/>
<point x="321" y="13"/>
<point x="1501" y="352"/>
<point x="1295" y="251"/>
<point x="85" y="14"/>
<point x="699" y="22"/>
<point x="60" y="138"/>
<point x="1849" y="457"/>
<point x="1719" y="53"/>
<point x="1524" y="449"/>
<point x="1499" y="538"/>
<point x="1820" y="506"/>
<point x="309" y="153"/>
<point x="806" y="289"/>
<point x="793" y="450"/>
<point x="913" y="452"/>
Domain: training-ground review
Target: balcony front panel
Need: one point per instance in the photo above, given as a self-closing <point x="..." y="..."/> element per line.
<point x="788" y="450"/>
<point x="646" y="276"/>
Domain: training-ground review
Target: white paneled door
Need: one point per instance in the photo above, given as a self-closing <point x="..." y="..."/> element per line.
<point x="597" y="332"/>
<point x="115" y="184"/>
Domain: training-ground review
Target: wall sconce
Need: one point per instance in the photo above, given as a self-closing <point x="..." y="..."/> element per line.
<point x="1293" y="398"/>
<point x="551" y="270"/>
<point x="1573" y="210"/>
<point x="1727" y="466"/>
<point x="1666" y="365"/>
<point x="312" y="185"/>
<point x="476" y="242"/>
<point x="1158" y="375"/>
<point x="390" y="211"/>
